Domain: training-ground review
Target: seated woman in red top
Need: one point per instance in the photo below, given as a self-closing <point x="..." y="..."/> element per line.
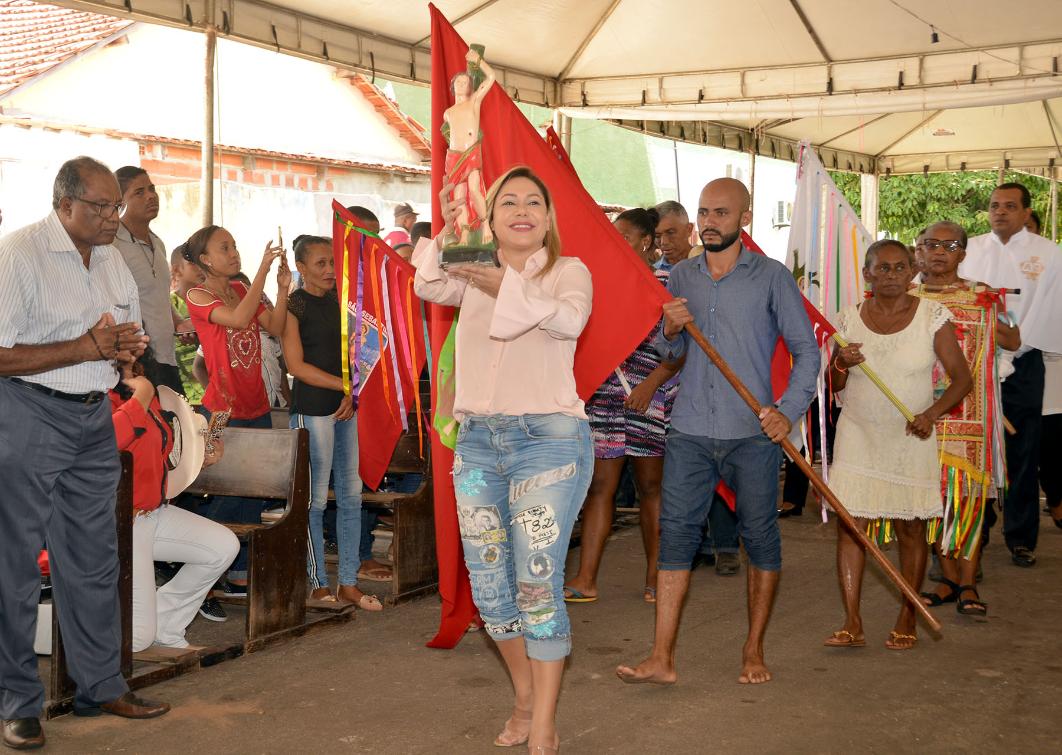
<point x="227" y="316"/>
<point x="162" y="532"/>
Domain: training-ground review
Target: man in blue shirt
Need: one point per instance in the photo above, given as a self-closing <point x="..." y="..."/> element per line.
<point x="742" y="302"/>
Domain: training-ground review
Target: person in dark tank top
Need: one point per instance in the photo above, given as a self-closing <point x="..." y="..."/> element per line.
<point x="312" y="340"/>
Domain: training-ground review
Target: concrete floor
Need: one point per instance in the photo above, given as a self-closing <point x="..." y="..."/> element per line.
<point x="990" y="685"/>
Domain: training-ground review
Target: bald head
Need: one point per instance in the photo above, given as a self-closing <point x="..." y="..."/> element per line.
<point x="722" y="211"/>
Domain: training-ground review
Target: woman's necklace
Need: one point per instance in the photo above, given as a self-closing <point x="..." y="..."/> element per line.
<point x="226" y="295"/>
<point x="894" y="320"/>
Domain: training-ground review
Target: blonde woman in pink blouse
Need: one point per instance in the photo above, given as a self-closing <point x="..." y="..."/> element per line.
<point x="524" y="457"/>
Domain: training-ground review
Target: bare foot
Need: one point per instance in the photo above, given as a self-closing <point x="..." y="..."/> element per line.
<point x="650" y="671"/>
<point x="753" y="669"/>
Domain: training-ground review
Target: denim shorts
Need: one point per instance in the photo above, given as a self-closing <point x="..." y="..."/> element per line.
<point x="693" y="467"/>
<point x="520" y="483"/>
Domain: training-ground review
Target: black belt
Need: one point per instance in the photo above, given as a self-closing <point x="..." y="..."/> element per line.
<point x="92" y="397"/>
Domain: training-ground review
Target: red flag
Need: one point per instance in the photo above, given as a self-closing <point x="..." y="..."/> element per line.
<point x="386" y="336"/>
<point x="555" y="143"/>
<point x="782" y="362"/>
<point x="626" y="303"/>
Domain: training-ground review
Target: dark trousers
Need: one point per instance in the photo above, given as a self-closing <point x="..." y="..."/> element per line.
<point x="720" y="535"/>
<point x="1023" y="399"/>
<point x="59" y="466"/>
<point x="795" y="487"/>
<point x="1051" y="458"/>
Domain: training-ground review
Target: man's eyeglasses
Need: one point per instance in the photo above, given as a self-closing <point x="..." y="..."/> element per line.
<point x="104" y="209"/>
<point x="931" y="245"/>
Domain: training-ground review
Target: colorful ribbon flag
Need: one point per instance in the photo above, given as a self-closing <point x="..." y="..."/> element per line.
<point x="383" y="340"/>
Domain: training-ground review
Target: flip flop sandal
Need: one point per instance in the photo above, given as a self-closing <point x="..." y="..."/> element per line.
<point x="935" y="599"/>
<point x="649" y="594"/>
<point x="971" y="606"/>
<point x="845" y="639"/>
<point x="574" y="596"/>
<point x="894" y="636"/>
<point x="376" y="575"/>
<point x="369" y="603"/>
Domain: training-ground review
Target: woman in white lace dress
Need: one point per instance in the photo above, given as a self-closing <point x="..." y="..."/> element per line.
<point x="886" y="468"/>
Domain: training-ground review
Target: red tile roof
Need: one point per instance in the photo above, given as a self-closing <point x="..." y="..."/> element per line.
<point x="35" y="38"/>
<point x="407" y="128"/>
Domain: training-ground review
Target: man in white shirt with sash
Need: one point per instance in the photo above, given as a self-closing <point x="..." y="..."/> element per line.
<point x="68" y="311"/>
<point x="1010" y="257"/>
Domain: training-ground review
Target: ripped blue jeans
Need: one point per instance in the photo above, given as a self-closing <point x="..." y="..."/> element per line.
<point x="520" y="482"/>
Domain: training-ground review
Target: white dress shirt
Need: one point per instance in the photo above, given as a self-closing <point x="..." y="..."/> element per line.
<point x="1032" y="264"/>
<point x="47" y="295"/>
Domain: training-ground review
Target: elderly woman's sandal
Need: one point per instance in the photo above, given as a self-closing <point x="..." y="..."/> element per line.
<point x="845" y="639"/>
<point x="895" y="638"/>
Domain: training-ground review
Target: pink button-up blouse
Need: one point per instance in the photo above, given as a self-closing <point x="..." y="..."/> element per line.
<point x="514" y="354"/>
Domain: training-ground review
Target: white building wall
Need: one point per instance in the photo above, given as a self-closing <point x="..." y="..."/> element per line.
<point x="153" y="85"/>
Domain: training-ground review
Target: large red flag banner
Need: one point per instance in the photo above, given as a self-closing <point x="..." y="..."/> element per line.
<point x="383" y="336"/>
<point x="626" y="303"/>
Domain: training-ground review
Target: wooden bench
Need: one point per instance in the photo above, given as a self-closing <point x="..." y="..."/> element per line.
<point x="269" y="464"/>
<point x="257" y="464"/>
<point x="415" y="567"/>
<point x="414" y="563"/>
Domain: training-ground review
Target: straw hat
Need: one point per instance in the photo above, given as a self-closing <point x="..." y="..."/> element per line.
<point x="189" y="441"/>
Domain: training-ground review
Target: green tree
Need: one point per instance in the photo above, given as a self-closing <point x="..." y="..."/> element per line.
<point x="907" y="204"/>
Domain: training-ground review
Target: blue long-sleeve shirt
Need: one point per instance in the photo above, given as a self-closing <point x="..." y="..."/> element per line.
<point x="741" y="314"/>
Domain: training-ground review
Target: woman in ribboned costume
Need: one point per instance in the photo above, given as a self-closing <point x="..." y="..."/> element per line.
<point x="629" y="416"/>
<point x="970" y="437"/>
<point x="885" y="469"/>
<point x="312" y="351"/>
<point x="524" y="457"/>
<point x="227" y="316"/>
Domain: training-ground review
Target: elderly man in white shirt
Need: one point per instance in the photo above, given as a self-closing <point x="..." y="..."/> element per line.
<point x="1013" y="258"/>
<point x="68" y="311"/>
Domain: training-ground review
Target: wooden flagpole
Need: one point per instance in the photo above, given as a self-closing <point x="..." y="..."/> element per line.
<point x="816" y="481"/>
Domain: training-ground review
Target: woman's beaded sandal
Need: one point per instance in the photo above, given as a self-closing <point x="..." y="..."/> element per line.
<point x="933" y="599"/>
<point x="971" y="606"/>
<point x="900" y="641"/>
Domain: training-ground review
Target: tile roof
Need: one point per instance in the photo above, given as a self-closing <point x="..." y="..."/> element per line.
<point x="34" y="38"/>
<point x="407" y="128"/>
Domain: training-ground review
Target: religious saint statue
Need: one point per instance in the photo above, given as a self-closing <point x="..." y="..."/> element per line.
<point x="471" y="240"/>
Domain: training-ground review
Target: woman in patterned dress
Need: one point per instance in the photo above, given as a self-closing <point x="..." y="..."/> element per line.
<point x="886" y="468"/>
<point x="629" y="416"/>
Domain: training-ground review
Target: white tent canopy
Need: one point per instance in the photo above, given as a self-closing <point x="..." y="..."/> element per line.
<point x="865" y="81"/>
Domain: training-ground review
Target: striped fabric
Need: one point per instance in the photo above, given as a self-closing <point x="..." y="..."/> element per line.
<point x="47" y="296"/>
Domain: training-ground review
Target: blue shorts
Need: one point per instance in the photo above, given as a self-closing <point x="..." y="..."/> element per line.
<point x="693" y="467"/>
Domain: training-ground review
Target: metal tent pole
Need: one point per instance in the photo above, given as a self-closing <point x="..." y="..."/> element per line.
<point x="207" y="153"/>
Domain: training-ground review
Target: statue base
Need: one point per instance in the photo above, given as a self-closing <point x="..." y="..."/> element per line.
<point x="469" y="254"/>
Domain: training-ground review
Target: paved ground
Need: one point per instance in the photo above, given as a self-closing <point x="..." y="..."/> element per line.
<point x="989" y="685"/>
